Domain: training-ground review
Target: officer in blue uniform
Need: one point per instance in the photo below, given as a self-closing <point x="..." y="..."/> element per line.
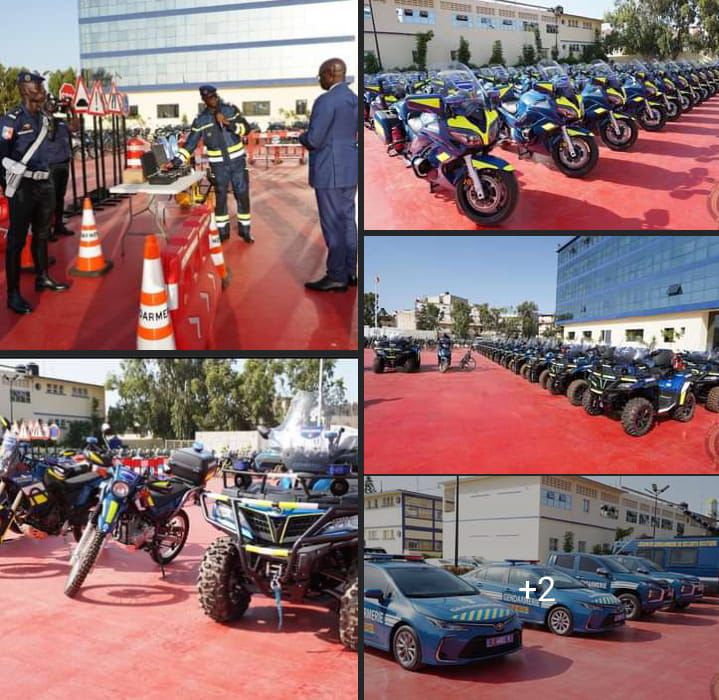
<point x="223" y="128"/>
<point x="33" y="201"/>
<point x="59" y="156"/>
<point x="332" y="142"/>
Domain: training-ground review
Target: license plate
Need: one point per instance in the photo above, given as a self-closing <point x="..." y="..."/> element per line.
<point x="619" y="617"/>
<point x="498" y="641"/>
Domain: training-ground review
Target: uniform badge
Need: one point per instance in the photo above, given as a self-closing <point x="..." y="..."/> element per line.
<point x="7" y="132"/>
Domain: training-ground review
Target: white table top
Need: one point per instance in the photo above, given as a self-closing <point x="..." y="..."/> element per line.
<point x="179" y="185"/>
<point x="269" y="144"/>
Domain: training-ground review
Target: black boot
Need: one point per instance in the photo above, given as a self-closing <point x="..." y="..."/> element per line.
<point x="44" y="281"/>
<point x="17" y="304"/>
<point x="244" y="233"/>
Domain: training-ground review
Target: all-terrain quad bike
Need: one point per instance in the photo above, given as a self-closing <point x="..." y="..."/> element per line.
<point x="536" y="369"/>
<point x="288" y="537"/>
<point x="705" y="377"/>
<point x="648" y="387"/>
<point x="568" y="373"/>
<point x="467" y="362"/>
<point x="396" y="353"/>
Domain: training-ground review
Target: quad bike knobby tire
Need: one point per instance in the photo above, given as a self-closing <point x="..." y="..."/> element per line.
<point x="412" y="364"/>
<point x="712" y="403"/>
<point x="348" y="612"/>
<point x="378" y="365"/>
<point x="590" y="405"/>
<point x="544" y="378"/>
<point x="223" y="596"/>
<point x="685" y="413"/>
<point x="576" y="391"/>
<point x="638" y="417"/>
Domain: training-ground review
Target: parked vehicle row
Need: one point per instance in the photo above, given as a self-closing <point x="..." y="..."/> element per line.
<point x="446" y="122"/>
<point x="401" y="353"/>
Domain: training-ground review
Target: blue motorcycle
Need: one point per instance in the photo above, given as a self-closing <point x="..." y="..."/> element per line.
<point x="548" y="117"/>
<point x="140" y="512"/>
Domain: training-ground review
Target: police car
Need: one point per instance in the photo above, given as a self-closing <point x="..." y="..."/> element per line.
<point x="426" y="615"/>
<point x="687" y="589"/>
<point x="564" y="604"/>
<point x="640" y="594"/>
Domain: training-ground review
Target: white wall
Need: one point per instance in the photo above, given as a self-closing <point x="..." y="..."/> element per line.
<point x="238" y="440"/>
<point x="383" y="521"/>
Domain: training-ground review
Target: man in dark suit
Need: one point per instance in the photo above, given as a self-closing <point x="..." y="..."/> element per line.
<point x="331" y="140"/>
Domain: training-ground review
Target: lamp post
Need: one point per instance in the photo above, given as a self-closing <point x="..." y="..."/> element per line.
<point x="456" y="524"/>
<point x="19" y="372"/>
<point x="557" y="11"/>
<point x="655" y="492"/>
<point x="374" y="32"/>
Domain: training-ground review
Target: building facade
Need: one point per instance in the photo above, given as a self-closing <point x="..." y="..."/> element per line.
<point x="658" y="290"/>
<point x="262" y="56"/>
<point x="390" y="27"/>
<point x="403" y="522"/>
<point x="61" y="401"/>
<point x="526" y="517"/>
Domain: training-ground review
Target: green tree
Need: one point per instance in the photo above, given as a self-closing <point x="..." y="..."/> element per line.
<point x="708" y="21"/>
<point x="461" y="319"/>
<point x="371" y="64"/>
<point x="57" y="77"/>
<point x="76" y="433"/>
<point x="370" y="299"/>
<point x="538" y="42"/>
<point x="568" y="545"/>
<point x="464" y="55"/>
<point x="428" y="317"/>
<point x="621" y="533"/>
<point x="497" y="53"/>
<point x="421" y="41"/>
<point x="258" y="391"/>
<point x="527" y="312"/>
<point x="528" y="55"/>
<point x="9" y="92"/>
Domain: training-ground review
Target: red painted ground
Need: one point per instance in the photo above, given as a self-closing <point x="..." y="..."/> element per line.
<point x="131" y="634"/>
<point x="667" y="655"/>
<point x="663" y="183"/>
<point x="493" y="420"/>
<point x="265" y="307"/>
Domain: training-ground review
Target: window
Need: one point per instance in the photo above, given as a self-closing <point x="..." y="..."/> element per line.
<point x="570" y="335"/>
<point x="675" y="290"/>
<point x="585" y="505"/>
<point x="518" y="577"/>
<point x="680" y="529"/>
<point x="553" y="545"/>
<point x="587" y="335"/>
<point x="668" y="335"/>
<point x="256" y="109"/>
<point x="566" y="561"/>
<point x="552" y="29"/>
<point x="387" y="534"/>
<point x="610" y="512"/>
<point x="631" y="516"/>
<point x="555" y="499"/>
<point x="667" y="524"/>
<point x="134" y="111"/>
<point x="581" y="546"/>
<point x="634" y="334"/>
<point x="643" y="519"/>
<point x="20" y="396"/>
<point x="496" y="574"/>
<point x="605" y="337"/>
<point x="375" y="578"/>
<point x="461" y="18"/>
<point x="300" y="107"/>
<point x="683" y="557"/>
<point x="168" y="111"/>
<point x="588" y="564"/>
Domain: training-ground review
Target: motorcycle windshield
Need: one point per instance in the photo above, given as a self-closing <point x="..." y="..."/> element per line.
<point x="601" y="68"/>
<point x="551" y="70"/>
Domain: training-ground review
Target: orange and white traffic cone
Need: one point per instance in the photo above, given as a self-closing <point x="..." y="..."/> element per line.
<point x="218" y="258"/>
<point x="154" y="328"/>
<point x="90" y="261"/>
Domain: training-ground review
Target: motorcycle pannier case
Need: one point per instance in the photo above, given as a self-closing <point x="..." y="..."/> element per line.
<point x="384" y="122"/>
<point x="193" y="466"/>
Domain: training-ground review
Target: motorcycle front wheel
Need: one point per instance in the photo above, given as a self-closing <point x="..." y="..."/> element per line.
<point x="586" y="155"/>
<point x="501" y="193"/>
<point x="622" y="141"/>
<point x="84" y="559"/>
<point x="653" y="118"/>
<point x="674" y="111"/>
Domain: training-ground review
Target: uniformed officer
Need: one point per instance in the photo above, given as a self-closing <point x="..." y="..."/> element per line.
<point x="23" y="131"/>
<point x="223" y="128"/>
<point x="59" y="155"/>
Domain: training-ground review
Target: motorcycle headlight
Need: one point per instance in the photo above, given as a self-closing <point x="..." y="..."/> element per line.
<point x="465" y="138"/>
<point x="120" y="489"/>
<point x="345" y="524"/>
<point x="568" y="113"/>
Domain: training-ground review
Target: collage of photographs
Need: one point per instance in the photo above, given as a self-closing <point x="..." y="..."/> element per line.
<point x="414" y="404"/>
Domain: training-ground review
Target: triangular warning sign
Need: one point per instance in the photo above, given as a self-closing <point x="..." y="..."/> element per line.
<point x="82" y="98"/>
<point x="115" y="102"/>
<point x="98" y="106"/>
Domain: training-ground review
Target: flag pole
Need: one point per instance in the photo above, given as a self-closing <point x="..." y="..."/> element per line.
<point x="376" y="302"/>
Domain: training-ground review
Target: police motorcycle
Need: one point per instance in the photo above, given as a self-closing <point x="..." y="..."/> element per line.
<point x="50" y="496"/>
<point x="143" y="513"/>
<point x="383" y="93"/>
<point x="306" y="441"/>
<point x="448" y="137"/>
<point x="645" y="100"/>
<point x="444" y="354"/>
<point x="603" y="96"/>
<point x="677" y="97"/>
<point x="547" y="116"/>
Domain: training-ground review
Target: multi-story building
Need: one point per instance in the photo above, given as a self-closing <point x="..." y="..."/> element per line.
<point x="403" y="522"/>
<point x="525" y="517"/>
<point x="658" y="290"/>
<point x="390" y="27"/>
<point x="262" y="56"/>
<point x="545" y="323"/>
<point x="30" y="397"/>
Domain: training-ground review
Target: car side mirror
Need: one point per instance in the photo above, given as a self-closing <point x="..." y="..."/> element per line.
<point x="374" y="594"/>
<point x="602" y="571"/>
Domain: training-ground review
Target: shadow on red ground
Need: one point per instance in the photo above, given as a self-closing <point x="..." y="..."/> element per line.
<point x="663" y="183"/>
<point x="642" y="660"/>
<point x="493" y="420"/>
<point x="132" y="634"/>
<point x="265" y="306"/>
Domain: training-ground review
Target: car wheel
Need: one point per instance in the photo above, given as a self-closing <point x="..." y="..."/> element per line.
<point x="560" y="621"/>
<point x="406" y="648"/>
<point x="632" y="607"/>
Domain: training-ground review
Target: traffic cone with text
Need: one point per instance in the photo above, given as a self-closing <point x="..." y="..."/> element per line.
<point x="218" y="258"/>
<point x="154" y="328"/>
<point x="90" y="261"/>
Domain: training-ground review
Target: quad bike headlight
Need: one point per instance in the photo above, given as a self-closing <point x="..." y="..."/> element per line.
<point x="345" y="524"/>
<point x="120" y="489"/>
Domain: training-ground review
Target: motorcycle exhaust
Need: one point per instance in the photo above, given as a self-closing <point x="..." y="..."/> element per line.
<point x="421" y="166"/>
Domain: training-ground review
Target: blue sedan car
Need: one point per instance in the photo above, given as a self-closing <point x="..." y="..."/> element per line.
<point x="426" y="615"/>
<point x="568" y="606"/>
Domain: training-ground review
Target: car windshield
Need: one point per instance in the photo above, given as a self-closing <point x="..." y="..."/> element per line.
<point x="648" y="564"/>
<point x="615" y="565"/>
<point x="428" y="582"/>
<point x="561" y="580"/>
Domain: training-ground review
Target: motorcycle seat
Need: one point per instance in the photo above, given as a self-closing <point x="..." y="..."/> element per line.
<point x="80" y="480"/>
<point x="165" y="491"/>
